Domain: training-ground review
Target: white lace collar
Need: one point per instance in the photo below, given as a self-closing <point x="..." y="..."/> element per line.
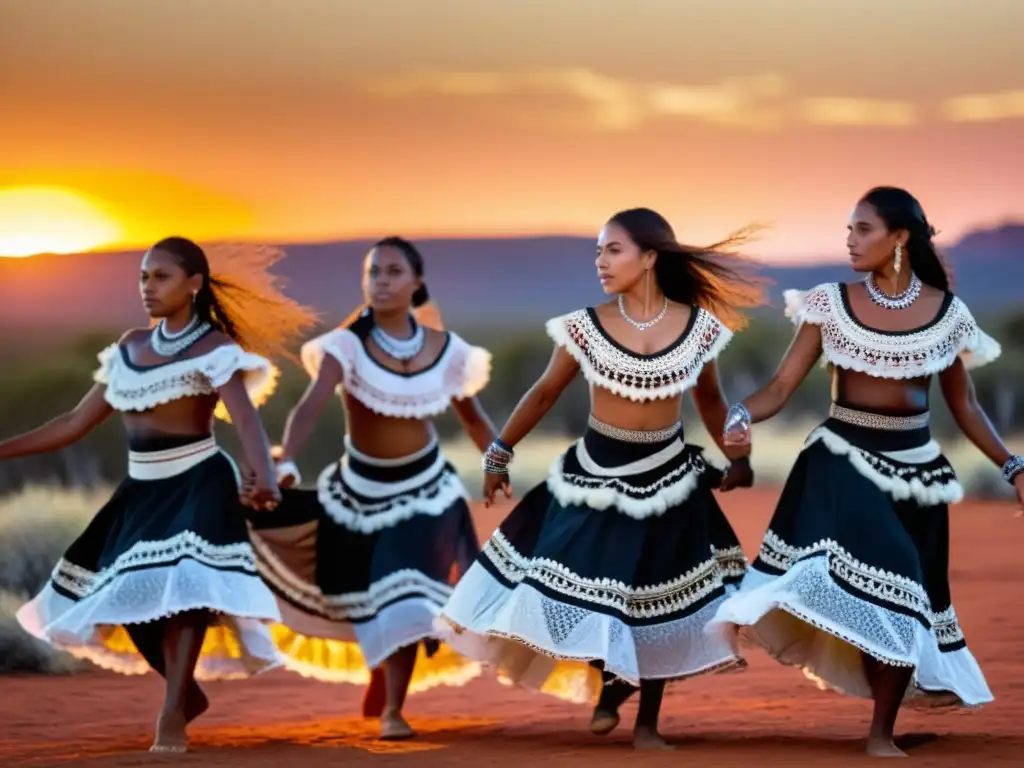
<point x="132" y="387"/>
<point x="923" y="351"/>
<point x="607" y="364"/>
<point x="460" y="371"/>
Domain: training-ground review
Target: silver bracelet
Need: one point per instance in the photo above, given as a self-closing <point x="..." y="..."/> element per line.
<point x="1013" y="467"/>
<point x="737" y="416"/>
<point x="496" y="459"/>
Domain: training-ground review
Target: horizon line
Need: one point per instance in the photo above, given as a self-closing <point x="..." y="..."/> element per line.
<point x="777" y="259"/>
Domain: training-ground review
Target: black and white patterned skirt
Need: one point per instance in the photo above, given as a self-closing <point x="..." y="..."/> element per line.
<point x="171" y="539"/>
<point x="620" y="558"/>
<point x="856" y="559"/>
<point x="362" y="564"/>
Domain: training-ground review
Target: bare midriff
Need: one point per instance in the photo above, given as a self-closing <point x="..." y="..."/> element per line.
<point x="629" y="414"/>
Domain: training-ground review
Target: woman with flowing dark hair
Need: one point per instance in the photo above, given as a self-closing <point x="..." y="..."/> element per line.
<point x="164" y="575"/>
<point x="851" y="582"/>
<point x="608" y="571"/>
<point x="362" y="563"/>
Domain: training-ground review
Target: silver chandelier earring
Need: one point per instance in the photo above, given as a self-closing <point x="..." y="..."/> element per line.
<point x="898" y="261"/>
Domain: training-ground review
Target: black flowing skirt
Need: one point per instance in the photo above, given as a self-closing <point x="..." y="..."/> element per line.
<point x="855" y="561"/>
<point x="362" y="564"/>
<point x="620" y="558"/>
<point x="171" y="539"/>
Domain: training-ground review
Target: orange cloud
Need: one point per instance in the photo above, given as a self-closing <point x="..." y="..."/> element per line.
<point x="853" y="111"/>
<point x="985" y="107"/>
<point x="762" y="101"/>
<point x="605" y="102"/>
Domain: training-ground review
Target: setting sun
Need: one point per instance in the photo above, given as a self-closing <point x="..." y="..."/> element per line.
<point x="37" y="220"/>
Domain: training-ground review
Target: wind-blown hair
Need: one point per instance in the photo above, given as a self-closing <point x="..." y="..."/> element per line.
<point x="241" y="297"/>
<point x="712" y="277"/>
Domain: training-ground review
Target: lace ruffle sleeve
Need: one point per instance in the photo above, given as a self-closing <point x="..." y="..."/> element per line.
<point x="107" y="358"/>
<point x="469" y="369"/>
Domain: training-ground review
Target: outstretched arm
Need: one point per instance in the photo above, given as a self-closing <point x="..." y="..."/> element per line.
<point x="712" y="407"/>
<point x="958" y="391"/>
<point x="255" y="444"/>
<point x="803" y="352"/>
<point x="304" y="415"/>
<point x="540" y="398"/>
<point x="475" y="421"/>
<point x="91" y="411"/>
<point x="531" y="409"/>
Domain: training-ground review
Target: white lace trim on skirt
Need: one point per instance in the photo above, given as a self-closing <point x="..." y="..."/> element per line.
<point x="84" y="627"/>
<point x="524" y="633"/>
<point x="804" y="618"/>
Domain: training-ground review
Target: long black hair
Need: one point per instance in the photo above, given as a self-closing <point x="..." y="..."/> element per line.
<point x="710" y="277"/>
<point x="240" y="297"/>
<point x="900" y="210"/>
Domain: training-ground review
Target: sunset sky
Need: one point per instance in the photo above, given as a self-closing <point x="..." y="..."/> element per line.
<point x="303" y="120"/>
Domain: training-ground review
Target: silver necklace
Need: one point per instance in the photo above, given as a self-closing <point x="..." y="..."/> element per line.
<point x="901" y="300"/>
<point x="634" y="323"/>
<point x="400" y="349"/>
<point x="168" y="344"/>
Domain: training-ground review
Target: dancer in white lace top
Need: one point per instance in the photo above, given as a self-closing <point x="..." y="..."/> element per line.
<point x="612" y="567"/>
<point x="164" y="575"/>
<point x="851" y="582"/>
<point x="362" y="563"/>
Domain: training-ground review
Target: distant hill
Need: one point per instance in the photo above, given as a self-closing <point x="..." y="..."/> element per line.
<point x="476" y="282"/>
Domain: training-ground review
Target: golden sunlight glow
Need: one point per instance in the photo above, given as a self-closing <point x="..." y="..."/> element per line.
<point x="36" y="220"/>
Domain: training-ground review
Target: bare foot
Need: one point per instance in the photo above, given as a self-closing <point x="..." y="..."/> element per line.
<point x="196" y="702"/>
<point x="645" y="738"/>
<point x="603" y="722"/>
<point x="882" y="746"/>
<point x="393" y="726"/>
<point x="170" y="733"/>
<point x="375" y="696"/>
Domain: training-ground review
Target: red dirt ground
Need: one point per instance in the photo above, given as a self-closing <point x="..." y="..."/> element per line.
<point x="768" y="714"/>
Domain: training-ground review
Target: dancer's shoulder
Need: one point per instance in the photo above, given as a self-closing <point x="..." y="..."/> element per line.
<point x="467" y="367"/>
<point x="814" y="305"/>
<point x="342" y="344"/>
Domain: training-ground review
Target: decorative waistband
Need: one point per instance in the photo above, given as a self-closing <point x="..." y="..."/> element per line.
<point x="158" y="465"/>
<point x="400" y="461"/>
<point x="878" y="420"/>
<point x="634" y="435"/>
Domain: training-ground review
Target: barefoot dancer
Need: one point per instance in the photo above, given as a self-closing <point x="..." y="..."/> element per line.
<point x="362" y="564"/>
<point x="620" y="558"/>
<point x="164" y="575"/>
<point x="851" y="580"/>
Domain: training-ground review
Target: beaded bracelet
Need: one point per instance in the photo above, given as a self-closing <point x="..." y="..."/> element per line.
<point x="497" y="457"/>
<point x="1013" y="467"/>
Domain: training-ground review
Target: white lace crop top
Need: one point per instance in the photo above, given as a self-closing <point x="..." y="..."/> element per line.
<point x="460" y="371"/>
<point x="929" y="349"/>
<point x="132" y="387"/>
<point x="607" y="364"/>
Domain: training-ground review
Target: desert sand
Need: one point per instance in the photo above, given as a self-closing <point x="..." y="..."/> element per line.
<point x="768" y="714"/>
